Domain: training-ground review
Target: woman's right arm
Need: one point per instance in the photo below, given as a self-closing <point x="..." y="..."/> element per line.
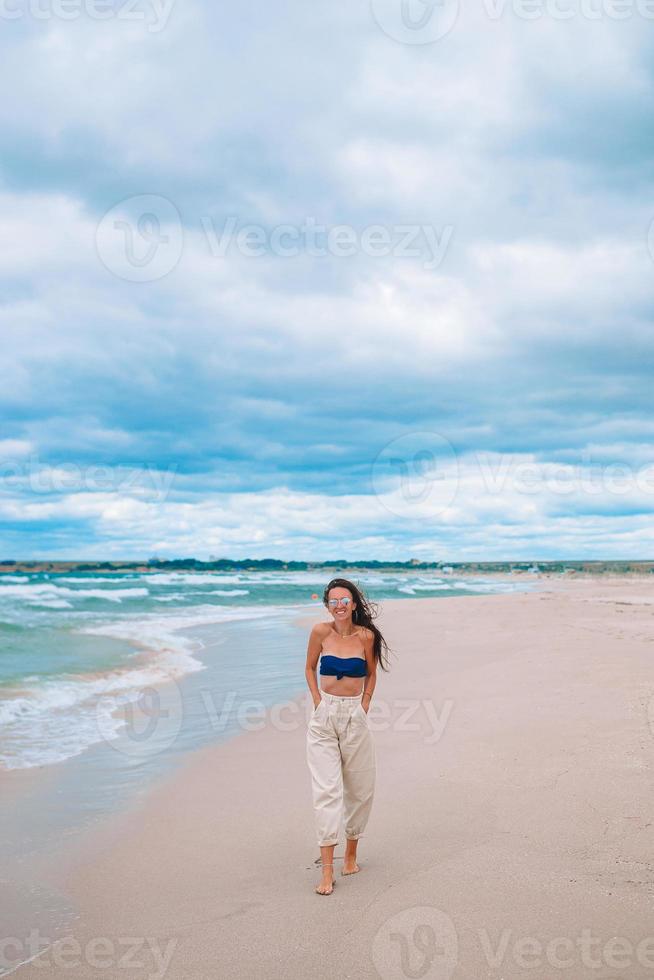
<point x="313" y="653"/>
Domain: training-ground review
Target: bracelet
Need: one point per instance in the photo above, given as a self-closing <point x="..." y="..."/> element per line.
<point x="366" y="694"/>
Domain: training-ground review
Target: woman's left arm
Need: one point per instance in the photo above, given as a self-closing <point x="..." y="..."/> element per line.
<point x="371" y="678"/>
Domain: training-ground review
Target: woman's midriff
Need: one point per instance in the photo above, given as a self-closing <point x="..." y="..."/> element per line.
<point x="347" y="687"/>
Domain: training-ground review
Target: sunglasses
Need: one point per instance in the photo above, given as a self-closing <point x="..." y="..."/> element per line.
<point x="333" y="603"/>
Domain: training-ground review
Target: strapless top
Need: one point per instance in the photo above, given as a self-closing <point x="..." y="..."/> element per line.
<point x="343" y="666"/>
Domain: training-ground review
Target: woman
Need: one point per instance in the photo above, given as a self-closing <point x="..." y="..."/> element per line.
<point x="340" y="747"/>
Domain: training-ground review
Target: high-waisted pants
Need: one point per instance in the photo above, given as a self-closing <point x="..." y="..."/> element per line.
<point x="341" y="759"/>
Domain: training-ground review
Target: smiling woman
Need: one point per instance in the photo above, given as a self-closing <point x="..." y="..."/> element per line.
<point x="340" y="748"/>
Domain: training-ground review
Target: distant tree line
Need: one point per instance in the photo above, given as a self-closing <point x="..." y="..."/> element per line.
<point x="341" y="565"/>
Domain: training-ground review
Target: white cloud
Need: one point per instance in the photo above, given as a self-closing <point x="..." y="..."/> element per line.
<point x="530" y="338"/>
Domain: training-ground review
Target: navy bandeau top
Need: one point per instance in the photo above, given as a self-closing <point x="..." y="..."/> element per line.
<point x="343" y="666"/>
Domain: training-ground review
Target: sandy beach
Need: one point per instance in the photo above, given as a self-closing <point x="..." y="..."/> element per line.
<point x="511" y="834"/>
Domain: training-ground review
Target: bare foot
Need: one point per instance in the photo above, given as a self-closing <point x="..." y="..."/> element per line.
<point x="350" y="867"/>
<point x="326" y="886"/>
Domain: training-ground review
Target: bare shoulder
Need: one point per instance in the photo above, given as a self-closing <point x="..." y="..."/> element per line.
<point x="320" y="630"/>
<point x="366" y="634"/>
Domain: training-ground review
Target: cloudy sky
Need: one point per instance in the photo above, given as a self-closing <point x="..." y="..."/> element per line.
<point x="330" y="280"/>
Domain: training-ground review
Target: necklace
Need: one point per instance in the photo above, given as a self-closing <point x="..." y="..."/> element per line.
<point x="346" y="634"/>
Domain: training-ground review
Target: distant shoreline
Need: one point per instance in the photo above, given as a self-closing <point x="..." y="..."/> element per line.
<point x="626" y="567"/>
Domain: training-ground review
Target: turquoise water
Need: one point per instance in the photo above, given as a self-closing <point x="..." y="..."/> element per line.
<point x="77" y="650"/>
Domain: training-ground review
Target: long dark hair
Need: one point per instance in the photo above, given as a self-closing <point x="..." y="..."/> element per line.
<point x="363" y="615"/>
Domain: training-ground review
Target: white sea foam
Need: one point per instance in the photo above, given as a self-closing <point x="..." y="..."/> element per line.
<point x="53" y="603"/>
<point x="181" y="596"/>
<point x="190" y="578"/>
<point x="81" y="580"/>
<point x="47" y="593"/>
<point x="193" y="595"/>
<point x="156" y="624"/>
<point x="421" y="587"/>
<point x="228" y="592"/>
<point x="479" y="585"/>
<point x="49" y="722"/>
<point x="268" y="578"/>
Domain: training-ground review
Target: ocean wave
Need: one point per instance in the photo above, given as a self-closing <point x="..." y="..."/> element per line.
<point x="424" y="587"/>
<point x="192" y="595"/>
<point x="53" y="603"/>
<point x="478" y="585"/>
<point x="47" y="594"/>
<point x="51" y="721"/>
<point x="71" y="690"/>
<point x="190" y="578"/>
<point x="228" y="592"/>
<point x="48" y="722"/>
<point x="267" y="578"/>
<point x="147" y="626"/>
<point x="182" y="596"/>
<point x="85" y="579"/>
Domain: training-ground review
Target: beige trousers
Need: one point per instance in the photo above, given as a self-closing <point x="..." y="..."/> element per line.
<point x="341" y="759"/>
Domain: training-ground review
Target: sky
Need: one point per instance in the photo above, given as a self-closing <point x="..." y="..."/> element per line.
<point x="315" y="281"/>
